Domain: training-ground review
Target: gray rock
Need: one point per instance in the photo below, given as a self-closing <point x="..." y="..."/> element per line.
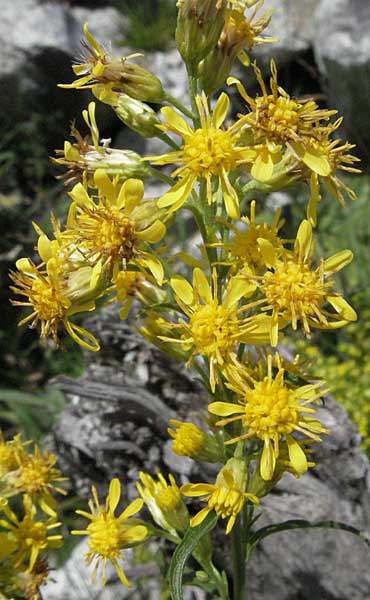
<point x="341" y="44"/>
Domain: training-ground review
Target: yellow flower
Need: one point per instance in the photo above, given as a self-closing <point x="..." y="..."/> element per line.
<point x="189" y="440"/>
<point x="294" y="292"/>
<point x="28" y="536"/>
<point x="11" y="452"/>
<point x="271" y="411"/>
<point x="108" y="534"/>
<point x="209" y="153"/>
<point x="164" y="502"/>
<point x="134" y="284"/>
<point x="214" y="328"/>
<point x="83" y="159"/>
<point x="99" y="67"/>
<point x="114" y="228"/>
<point x="243" y="249"/>
<point x="226" y="496"/>
<point x="37" y="477"/>
<point x="52" y="303"/>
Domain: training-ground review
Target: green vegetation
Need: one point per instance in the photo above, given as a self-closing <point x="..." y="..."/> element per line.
<point x="151" y="23"/>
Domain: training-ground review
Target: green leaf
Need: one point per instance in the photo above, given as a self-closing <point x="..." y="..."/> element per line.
<point x="189" y="543"/>
<point x="303" y="524"/>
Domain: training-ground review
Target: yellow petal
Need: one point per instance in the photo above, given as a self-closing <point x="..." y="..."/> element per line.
<point x="154" y="233"/>
<point x="177" y="195"/>
<point x="196" y="489"/>
<point x="130" y="194"/>
<point x="225" y="409"/>
<point x="220" y="110"/>
<point x="154" y="265"/>
<point x="201" y="285"/>
<point x="177" y="123"/>
<point x="44" y="248"/>
<point x="92" y="41"/>
<point x="268" y="461"/>
<point x="114" y="495"/>
<point x="183" y="290"/>
<point x="296" y="455"/>
<point x="267" y="251"/>
<point x="342" y="307"/>
<point x="82" y="337"/>
<point x="315" y="197"/>
<point x="132" y="508"/>
<point x="199" y="518"/>
<point x="79" y="194"/>
<point x="312" y="158"/>
<point x="263" y="166"/>
<point x="105" y="185"/>
<point x="338" y="261"/>
<point x="303" y="241"/>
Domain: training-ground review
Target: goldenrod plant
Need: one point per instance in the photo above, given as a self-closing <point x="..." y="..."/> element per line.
<point x="222" y="312"/>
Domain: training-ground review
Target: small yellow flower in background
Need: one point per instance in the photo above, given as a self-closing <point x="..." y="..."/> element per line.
<point x="10" y="453"/>
<point x="164" y="502"/>
<point x="37" y="478"/>
<point x="135" y="284"/>
<point x="114" y="228"/>
<point x="99" y="67"/>
<point x="271" y="411"/>
<point x="28" y="536"/>
<point x="214" y="328"/>
<point x="294" y="292"/>
<point x="243" y="249"/>
<point x="226" y="496"/>
<point x="83" y="159"/>
<point x="109" y="535"/>
<point x="189" y="440"/>
<point x="209" y="153"/>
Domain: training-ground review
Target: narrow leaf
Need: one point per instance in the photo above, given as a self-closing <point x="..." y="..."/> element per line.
<point x="190" y="541"/>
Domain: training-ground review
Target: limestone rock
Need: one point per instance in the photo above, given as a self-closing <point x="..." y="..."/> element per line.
<point x="341" y="44"/>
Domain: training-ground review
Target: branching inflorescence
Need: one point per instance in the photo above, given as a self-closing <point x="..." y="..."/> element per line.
<point x="227" y="316"/>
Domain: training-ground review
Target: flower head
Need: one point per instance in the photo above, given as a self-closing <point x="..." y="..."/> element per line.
<point x="294" y="292"/>
<point x="243" y="249"/>
<point x="29" y="536"/>
<point x="164" y="502"/>
<point x="82" y="158"/>
<point x="108" y="534"/>
<point x="209" y="153"/>
<point x="214" y="328"/>
<point x="115" y="228"/>
<point x="189" y="440"/>
<point x="272" y="411"/>
<point x="226" y="496"/>
<point x="37" y="477"/>
<point x="98" y="66"/>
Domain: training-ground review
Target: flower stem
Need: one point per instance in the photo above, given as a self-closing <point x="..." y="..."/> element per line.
<point x="180" y="106"/>
<point x="161" y="176"/>
<point x="238" y="562"/>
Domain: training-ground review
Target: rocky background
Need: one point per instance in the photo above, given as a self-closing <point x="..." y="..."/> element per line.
<point x="116" y="419"/>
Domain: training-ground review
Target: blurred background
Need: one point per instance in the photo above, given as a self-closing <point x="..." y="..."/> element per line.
<point x="323" y="51"/>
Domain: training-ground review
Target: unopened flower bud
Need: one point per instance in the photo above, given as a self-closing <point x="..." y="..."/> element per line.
<point x="189" y="440"/>
<point x="199" y="25"/>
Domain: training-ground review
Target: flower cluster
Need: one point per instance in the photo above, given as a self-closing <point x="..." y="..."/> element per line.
<point x="227" y="315"/>
<point x="29" y="526"/>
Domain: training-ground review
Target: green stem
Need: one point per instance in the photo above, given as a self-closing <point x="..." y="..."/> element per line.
<point x="215" y="576"/>
<point x="180" y="106"/>
<point x="238" y="562"/>
<point x="166" y="138"/>
<point x="193" y="89"/>
<point x="160" y="175"/>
